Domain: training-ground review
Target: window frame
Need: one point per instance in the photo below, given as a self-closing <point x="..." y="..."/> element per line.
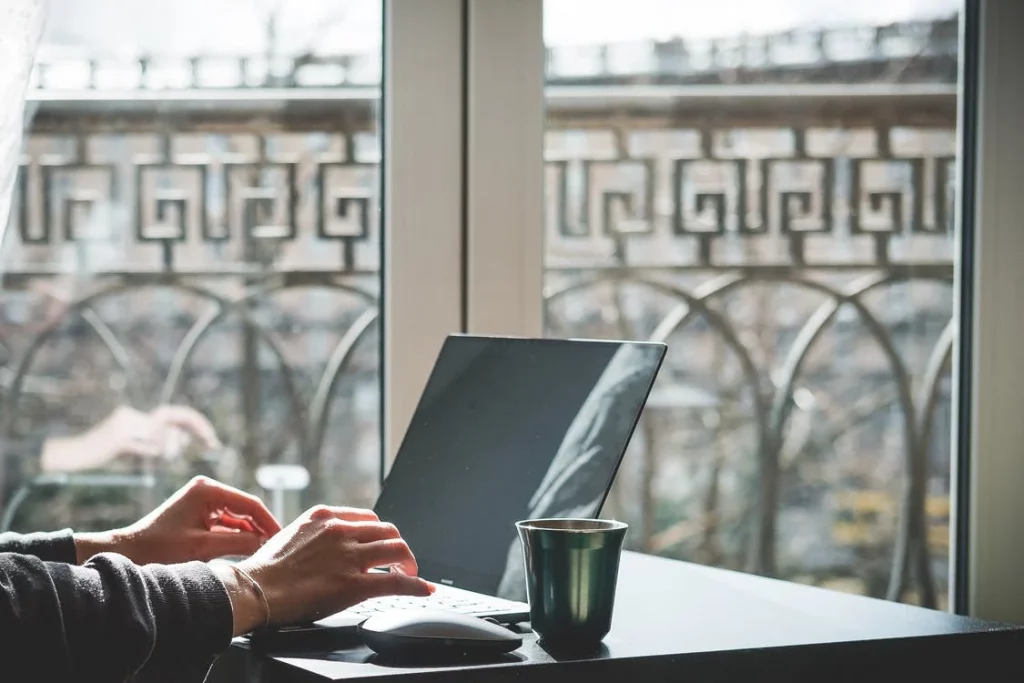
<point x="423" y="174"/>
<point x="989" y="547"/>
<point x="505" y="167"/>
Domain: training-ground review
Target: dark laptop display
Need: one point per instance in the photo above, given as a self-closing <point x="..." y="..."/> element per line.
<point x="509" y="429"/>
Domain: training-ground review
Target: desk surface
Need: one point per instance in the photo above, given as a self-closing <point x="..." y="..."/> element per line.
<point x="675" y="618"/>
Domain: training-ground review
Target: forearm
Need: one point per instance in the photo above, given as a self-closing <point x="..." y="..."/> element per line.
<point x="58" y="454"/>
<point x="74" y="453"/>
<point x="108" y="619"/>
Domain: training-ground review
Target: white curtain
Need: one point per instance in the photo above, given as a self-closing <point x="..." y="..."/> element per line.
<point x="21" y="23"/>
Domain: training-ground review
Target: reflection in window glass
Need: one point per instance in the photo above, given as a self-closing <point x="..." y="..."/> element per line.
<point x="727" y="182"/>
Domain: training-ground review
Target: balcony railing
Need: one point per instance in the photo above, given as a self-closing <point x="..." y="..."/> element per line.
<point x="793" y="244"/>
<point x="912" y="51"/>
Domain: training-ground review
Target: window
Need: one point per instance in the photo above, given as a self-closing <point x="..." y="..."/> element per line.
<point x="768" y="187"/>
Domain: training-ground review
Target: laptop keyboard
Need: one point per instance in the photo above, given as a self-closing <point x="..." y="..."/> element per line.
<point x="447" y="599"/>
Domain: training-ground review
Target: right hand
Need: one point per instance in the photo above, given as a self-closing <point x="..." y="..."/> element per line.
<point x="318" y="565"/>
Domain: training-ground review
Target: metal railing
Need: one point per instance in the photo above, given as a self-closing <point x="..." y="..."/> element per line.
<point x="909" y="51"/>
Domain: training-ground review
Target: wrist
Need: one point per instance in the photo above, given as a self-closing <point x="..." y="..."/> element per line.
<point x="248" y="610"/>
<point x="93" y="543"/>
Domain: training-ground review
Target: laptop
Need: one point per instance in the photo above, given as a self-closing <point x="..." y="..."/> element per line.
<point x="506" y="429"/>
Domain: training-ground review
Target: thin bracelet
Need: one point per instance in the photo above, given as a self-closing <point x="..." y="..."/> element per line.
<point x="256" y="587"/>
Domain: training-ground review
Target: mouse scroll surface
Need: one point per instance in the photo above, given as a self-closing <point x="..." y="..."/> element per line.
<point x="419" y="632"/>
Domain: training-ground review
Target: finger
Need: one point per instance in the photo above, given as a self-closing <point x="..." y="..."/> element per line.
<point x="344" y="514"/>
<point x="230" y="520"/>
<point x="189" y="420"/>
<point x="228" y="542"/>
<point x="381" y="585"/>
<point x="217" y="496"/>
<point x="366" y="532"/>
<point x="393" y="552"/>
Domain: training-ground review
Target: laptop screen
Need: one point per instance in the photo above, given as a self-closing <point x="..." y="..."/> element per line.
<point x="510" y="429"/>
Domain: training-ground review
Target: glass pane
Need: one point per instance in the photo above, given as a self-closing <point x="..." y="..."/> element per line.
<point x="768" y="187"/>
<point x="195" y="237"/>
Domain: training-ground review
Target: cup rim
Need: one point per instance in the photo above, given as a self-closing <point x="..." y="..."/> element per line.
<point x="556" y="524"/>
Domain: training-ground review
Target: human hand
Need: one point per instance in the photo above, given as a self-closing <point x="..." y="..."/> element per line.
<point x="318" y="565"/>
<point x="127" y="432"/>
<point x="203" y="520"/>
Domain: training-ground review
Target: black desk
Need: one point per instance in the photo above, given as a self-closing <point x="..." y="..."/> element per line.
<point x="676" y="621"/>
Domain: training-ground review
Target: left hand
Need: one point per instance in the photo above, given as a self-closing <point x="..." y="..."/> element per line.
<point x="203" y="520"/>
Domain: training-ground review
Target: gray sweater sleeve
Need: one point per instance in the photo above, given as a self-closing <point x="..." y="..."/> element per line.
<point x="107" y="620"/>
<point x="56" y="546"/>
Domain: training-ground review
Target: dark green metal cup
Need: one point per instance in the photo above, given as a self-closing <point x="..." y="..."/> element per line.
<point x="572" y="566"/>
